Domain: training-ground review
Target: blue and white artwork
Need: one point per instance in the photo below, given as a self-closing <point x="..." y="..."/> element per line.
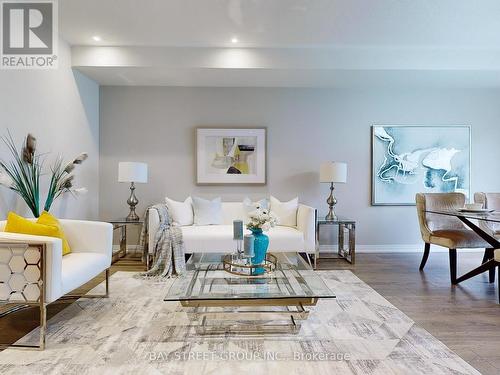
<point x="419" y="159"/>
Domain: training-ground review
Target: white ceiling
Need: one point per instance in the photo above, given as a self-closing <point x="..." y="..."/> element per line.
<point x="406" y="28"/>
<point x="282" y="23"/>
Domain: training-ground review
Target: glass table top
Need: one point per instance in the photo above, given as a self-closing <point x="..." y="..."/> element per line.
<point x="336" y="220"/>
<point x="484" y="216"/>
<point x="205" y="279"/>
<point x="125" y="221"/>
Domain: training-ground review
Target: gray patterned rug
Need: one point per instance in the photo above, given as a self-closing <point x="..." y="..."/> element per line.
<point x="135" y="332"/>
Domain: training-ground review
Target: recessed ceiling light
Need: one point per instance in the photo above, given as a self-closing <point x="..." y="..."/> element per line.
<point x="234" y="40"/>
<point x="97" y="38"/>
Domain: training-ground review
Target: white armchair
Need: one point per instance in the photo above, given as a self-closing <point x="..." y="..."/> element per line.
<point x="33" y="271"/>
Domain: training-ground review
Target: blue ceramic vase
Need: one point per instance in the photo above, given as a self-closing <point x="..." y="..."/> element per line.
<point x="260" y="245"/>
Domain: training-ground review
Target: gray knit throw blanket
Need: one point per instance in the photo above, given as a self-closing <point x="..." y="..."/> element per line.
<point x="168" y="253"/>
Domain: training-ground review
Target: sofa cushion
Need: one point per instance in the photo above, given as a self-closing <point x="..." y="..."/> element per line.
<point x="79" y="268"/>
<point x="207" y="212"/>
<point x="286" y="212"/>
<point x="47" y="225"/>
<point x="181" y="212"/>
<point x="233" y="211"/>
<point x="219" y="238"/>
<point x="48" y="219"/>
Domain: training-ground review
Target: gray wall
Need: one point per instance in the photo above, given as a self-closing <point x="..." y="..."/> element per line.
<point x="305" y="127"/>
<point x="61" y="108"/>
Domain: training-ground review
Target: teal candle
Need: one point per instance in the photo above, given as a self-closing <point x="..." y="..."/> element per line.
<point x="248" y="245"/>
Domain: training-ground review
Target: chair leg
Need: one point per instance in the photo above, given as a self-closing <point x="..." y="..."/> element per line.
<point x="486" y="255"/>
<point x="43" y="330"/>
<point x="453" y="266"/>
<point x="105" y="295"/>
<point x="107" y="282"/>
<point x="43" y="326"/>
<point x="427" y="249"/>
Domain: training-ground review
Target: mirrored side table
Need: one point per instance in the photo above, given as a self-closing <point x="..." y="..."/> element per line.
<point x="121" y="225"/>
<point x="346" y="239"/>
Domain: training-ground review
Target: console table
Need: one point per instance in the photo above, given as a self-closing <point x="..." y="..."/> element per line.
<point x="346" y="239"/>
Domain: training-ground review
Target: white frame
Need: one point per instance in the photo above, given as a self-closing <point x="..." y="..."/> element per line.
<point x="203" y="178"/>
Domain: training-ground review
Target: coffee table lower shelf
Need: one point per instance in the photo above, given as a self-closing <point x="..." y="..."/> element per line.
<point x="250" y="317"/>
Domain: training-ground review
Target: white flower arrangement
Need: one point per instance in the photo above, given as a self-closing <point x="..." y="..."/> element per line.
<point x="262" y="218"/>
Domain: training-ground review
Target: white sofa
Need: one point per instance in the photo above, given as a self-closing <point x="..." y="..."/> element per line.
<point x="219" y="238"/>
<point x="91" y="253"/>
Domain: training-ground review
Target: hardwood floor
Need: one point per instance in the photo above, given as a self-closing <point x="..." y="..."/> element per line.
<point x="465" y="317"/>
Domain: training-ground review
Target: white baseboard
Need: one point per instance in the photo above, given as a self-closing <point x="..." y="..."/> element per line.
<point x="129" y="248"/>
<point x="418" y="248"/>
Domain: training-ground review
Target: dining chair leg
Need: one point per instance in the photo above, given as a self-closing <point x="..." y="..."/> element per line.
<point x="485" y="256"/>
<point x="427" y="249"/>
<point x="453" y="266"/>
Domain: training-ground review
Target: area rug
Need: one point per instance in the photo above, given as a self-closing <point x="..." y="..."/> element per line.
<point x="135" y="332"/>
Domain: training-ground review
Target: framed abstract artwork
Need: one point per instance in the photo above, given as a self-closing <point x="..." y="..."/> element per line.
<point x="231" y="156"/>
<point x="419" y="159"/>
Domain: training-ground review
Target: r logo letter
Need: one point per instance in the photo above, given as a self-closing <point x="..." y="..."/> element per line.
<point x="27" y="28"/>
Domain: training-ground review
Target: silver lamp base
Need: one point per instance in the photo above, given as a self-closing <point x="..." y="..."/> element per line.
<point x="132" y="201"/>
<point x="332" y="201"/>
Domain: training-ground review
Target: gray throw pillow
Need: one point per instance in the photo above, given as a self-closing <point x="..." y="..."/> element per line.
<point x="207" y="212"/>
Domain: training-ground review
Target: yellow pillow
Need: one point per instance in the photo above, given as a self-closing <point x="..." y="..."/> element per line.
<point x="48" y="219"/>
<point x="18" y="224"/>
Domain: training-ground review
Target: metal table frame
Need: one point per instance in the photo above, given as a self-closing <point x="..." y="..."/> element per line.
<point x="488" y="263"/>
<point x="247" y="315"/>
<point x="122" y="224"/>
<point x="344" y="224"/>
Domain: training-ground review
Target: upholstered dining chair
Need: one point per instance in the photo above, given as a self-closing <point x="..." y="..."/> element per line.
<point x="492" y="201"/>
<point x="445" y="231"/>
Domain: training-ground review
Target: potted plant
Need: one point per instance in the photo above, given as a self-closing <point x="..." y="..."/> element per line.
<point x="22" y="174"/>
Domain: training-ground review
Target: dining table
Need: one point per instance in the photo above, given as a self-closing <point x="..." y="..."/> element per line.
<point x="485" y="224"/>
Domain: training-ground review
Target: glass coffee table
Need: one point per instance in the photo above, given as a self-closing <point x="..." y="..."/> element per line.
<point x="220" y="302"/>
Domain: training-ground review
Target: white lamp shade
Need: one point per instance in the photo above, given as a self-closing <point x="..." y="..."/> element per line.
<point x="333" y="171"/>
<point x="132" y="172"/>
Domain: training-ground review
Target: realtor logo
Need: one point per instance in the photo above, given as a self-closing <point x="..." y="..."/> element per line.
<point x="29" y="35"/>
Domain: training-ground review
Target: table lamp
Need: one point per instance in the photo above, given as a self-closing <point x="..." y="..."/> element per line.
<point x="332" y="172"/>
<point x="132" y="172"/>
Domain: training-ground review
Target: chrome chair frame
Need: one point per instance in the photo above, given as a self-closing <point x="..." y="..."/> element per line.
<point x="17" y="305"/>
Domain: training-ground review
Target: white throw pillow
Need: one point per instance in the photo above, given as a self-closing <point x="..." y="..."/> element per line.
<point x="286" y="212"/>
<point x="207" y="212"/>
<point x="181" y="212"/>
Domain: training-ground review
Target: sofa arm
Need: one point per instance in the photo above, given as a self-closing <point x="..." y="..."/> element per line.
<point x="153" y="225"/>
<point x="89" y="236"/>
<point x="306" y="223"/>
<point x="53" y="260"/>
